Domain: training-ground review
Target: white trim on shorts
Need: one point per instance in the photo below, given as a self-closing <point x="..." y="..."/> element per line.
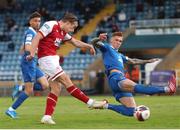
<point x="51" y="67"/>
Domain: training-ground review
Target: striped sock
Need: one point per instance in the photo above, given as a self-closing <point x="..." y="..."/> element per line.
<point x="50" y="104"/>
<point x="77" y="93"/>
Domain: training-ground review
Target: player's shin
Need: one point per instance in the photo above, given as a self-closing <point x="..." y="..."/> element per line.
<point x="51" y="104"/>
<point x="22" y="97"/>
<point x="77" y="93"/>
<point x="148" y="89"/>
<point x="127" y="111"/>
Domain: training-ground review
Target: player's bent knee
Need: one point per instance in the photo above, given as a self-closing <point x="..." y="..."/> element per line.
<point x="125" y="86"/>
<point x="45" y="85"/>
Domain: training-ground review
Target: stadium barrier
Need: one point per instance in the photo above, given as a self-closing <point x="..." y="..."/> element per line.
<point x="155" y="23"/>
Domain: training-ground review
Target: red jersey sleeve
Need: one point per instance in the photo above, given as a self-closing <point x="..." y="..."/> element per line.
<point x="47" y="28"/>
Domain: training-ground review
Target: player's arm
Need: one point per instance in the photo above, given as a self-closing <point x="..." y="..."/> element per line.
<point x="34" y="45"/>
<point x="140" y="61"/>
<point x="81" y="44"/>
<point x="43" y="32"/>
<point x="97" y="42"/>
<point x="21" y="50"/>
<point x="26" y="46"/>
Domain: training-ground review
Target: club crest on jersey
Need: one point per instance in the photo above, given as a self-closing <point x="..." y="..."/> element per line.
<point x="120" y="59"/>
<point x="58" y="41"/>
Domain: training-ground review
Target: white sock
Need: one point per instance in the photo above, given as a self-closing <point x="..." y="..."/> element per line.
<point x="166" y="89"/>
<point x="11" y="109"/>
<point x="106" y="106"/>
<point x="47" y="116"/>
<point x="90" y="102"/>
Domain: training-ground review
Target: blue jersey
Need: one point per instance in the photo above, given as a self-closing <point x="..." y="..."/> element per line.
<point x="28" y="36"/>
<point x="112" y="58"/>
<point x="29" y="68"/>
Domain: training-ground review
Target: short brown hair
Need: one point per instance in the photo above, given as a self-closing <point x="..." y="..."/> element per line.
<point x="34" y="15"/>
<point x="70" y="17"/>
<point x="117" y="34"/>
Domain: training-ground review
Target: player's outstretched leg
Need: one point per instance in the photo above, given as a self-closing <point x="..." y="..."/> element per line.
<point x="170" y="89"/>
<point x="77" y="93"/>
<point x="128" y="104"/>
<point x="122" y="109"/>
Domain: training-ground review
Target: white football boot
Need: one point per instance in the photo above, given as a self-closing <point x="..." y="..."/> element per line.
<point x="98" y="104"/>
<point x="46" y="119"/>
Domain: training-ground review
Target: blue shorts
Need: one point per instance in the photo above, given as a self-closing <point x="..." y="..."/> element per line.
<point x="113" y="80"/>
<point x="30" y="71"/>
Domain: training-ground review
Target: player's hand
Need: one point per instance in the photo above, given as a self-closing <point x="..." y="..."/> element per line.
<point x="153" y="60"/>
<point x="92" y="50"/>
<point x="103" y="36"/>
<point x="29" y="57"/>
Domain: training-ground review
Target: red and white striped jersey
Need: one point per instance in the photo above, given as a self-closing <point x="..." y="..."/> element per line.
<point x="53" y="36"/>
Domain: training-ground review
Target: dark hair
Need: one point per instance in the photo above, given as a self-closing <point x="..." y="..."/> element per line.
<point x="117" y="34"/>
<point x="70" y="17"/>
<point x="34" y="15"/>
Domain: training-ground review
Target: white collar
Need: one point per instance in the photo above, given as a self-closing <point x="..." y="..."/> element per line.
<point x="32" y="29"/>
<point x="113" y="48"/>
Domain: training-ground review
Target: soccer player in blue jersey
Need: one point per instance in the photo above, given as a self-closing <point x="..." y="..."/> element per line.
<point x="122" y="87"/>
<point x="31" y="73"/>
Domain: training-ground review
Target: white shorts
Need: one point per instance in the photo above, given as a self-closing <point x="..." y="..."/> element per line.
<point x="51" y="67"/>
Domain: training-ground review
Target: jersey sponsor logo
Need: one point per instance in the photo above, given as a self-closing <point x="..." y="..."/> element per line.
<point x="57" y="42"/>
<point x="120" y="59"/>
<point x="46" y="26"/>
<point x="29" y="37"/>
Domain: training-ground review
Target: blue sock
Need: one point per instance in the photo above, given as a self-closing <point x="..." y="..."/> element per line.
<point x="148" y="89"/>
<point x="22" y="97"/>
<point x="37" y="87"/>
<point x="127" y="111"/>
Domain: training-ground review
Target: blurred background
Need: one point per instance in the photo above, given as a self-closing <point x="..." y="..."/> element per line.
<point x="150" y="28"/>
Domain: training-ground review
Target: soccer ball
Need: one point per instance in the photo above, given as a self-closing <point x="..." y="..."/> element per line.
<point x="142" y="113"/>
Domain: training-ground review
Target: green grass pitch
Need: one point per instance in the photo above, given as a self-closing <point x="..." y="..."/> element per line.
<point x="71" y="113"/>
